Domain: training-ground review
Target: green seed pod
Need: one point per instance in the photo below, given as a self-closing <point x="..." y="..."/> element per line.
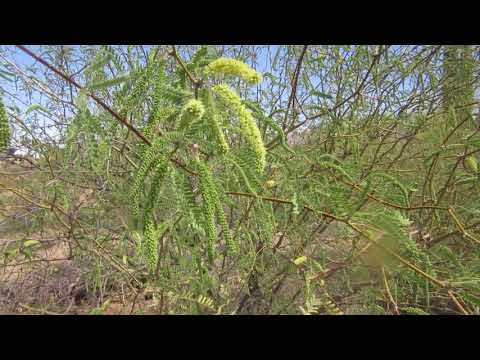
<point x="4" y="128"/>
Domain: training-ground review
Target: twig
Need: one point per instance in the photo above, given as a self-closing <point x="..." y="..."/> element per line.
<point x="101" y="103"/>
<point x="74" y="83"/>
<point x="387" y="289"/>
<point x="462" y="309"/>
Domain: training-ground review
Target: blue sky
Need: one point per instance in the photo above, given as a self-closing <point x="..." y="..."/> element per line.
<point x="18" y="98"/>
<point x="262" y="63"/>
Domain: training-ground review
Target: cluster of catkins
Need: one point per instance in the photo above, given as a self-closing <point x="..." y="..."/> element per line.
<point x="193" y="111"/>
<point x="212" y="206"/>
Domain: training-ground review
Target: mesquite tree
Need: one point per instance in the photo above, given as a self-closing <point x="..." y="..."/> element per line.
<point x="252" y="179"/>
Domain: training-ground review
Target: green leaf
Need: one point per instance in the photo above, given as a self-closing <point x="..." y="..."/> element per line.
<point x="37" y="107"/>
<point x="7" y="75"/>
<point x="109" y="83"/>
<point x="98" y="63"/>
<point x="321" y="94"/>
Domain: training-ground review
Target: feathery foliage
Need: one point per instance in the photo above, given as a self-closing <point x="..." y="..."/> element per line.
<point x="344" y="182"/>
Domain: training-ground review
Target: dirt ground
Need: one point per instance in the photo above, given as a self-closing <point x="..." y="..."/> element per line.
<point x="42" y="279"/>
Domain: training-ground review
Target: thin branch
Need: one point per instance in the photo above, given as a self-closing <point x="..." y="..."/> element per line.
<point x="97" y="100"/>
<point x="389" y="294"/>
<point x="100" y="102"/>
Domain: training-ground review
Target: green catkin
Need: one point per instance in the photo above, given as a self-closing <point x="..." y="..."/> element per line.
<point x="247" y="124"/>
<point x="4" y="128"/>
<point x="138" y="183"/>
<point x="272" y="124"/>
<point x="158" y="111"/>
<point x="212" y="205"/>
<point x="158" y="115"/>
<point x="208" y="194"/>
<point x="232" y="247"/>
<point x="150" y="243"/>
<point x="138" y="90"/>
<point x="226" y="66"/>
<point x="472" y="164"/>
<point x="186" y="198"/>
<point x="160" y="171"/>
<point x="222" y="142"/>
<point x="150" y="158"/>
<point x="191" y="112"/>
<point x="214" y="122"/>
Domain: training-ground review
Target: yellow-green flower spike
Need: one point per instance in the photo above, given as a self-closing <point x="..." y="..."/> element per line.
<point x="247" y="123"/>
<point x="215" y="123"/>
<point x="194" y="108"/>
<point x="232" y="246"/>
<point x="209" y="195"/>
<point x="234" y="67"/>
<point x="212" y="205"/>
<point x="4" y="128"/>
<point x="192" y="111"/>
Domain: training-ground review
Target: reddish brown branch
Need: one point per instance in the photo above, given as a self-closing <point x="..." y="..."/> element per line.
<point x="97" y="100"/>
<point x="100" y="102"/>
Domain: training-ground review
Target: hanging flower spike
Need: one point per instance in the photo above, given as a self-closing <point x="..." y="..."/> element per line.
<point x="247" y="123"/>
<point x="150" y="243"/>
<point x="234" y="67"/>
<point x="191" y="112"/>
<point x="194" y="108"/>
